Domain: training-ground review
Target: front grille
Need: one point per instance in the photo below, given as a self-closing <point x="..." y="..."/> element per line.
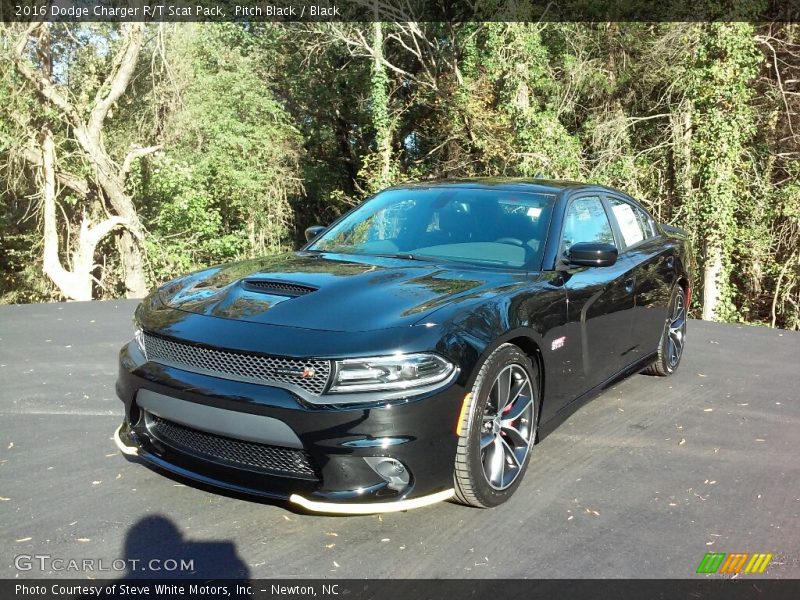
<point x="252" y="456"/>
<point x="282" y="288"/>
<point x="310" y="375"/>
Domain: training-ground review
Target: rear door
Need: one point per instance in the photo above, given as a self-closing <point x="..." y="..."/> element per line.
<point x="653" y="272"/>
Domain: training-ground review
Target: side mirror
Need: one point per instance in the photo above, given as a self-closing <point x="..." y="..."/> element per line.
<point x="592" y="254"/>
<point x="314" y="231"/>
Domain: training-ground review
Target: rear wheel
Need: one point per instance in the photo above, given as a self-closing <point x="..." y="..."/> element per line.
<point x="673" y="339"/>
<point x="498" y="429"/>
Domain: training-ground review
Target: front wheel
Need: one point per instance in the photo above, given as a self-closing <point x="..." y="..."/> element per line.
<point x="673" y="338"/>
<point x="498" y="429"/>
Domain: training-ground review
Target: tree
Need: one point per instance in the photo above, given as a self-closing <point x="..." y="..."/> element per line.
<point x="720" y="92"/>
<point x="32" y="55"/>
<point x="222" y="189"/>
<point x="75" y="284"/>
<point x="381" y="118"/>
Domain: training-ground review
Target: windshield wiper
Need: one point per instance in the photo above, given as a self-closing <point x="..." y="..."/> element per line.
<point x="400" y="255"/>
<point x="394" y="255"/>
<point x="403" y="255"/>
<point x="416" y="257"/>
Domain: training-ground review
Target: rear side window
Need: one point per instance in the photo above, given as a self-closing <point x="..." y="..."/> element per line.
<point x="586" y="221"/>
<point x="634" y="224"/>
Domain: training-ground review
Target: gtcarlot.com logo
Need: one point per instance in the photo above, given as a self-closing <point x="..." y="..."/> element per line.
<point x="47" y="562"/>
<point x="734" y="563"/>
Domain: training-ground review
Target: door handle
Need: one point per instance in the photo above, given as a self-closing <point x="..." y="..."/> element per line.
<point x="630" y="283"/>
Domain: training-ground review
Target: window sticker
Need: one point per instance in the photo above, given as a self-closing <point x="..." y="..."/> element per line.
<point x="628" y="224"/>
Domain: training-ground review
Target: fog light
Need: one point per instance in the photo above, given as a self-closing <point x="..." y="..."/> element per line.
<point x="392" y="471"/>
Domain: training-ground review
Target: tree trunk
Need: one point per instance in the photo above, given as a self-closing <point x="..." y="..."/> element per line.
<point x="132" y="265"/>
<point x="113" y="185"/>
<point x="88" y="132"/>
<point x="380" y="109"/>
<point x="75" y="284"/>
<point x="711" y="273"/>
<point x="686" y="154"/>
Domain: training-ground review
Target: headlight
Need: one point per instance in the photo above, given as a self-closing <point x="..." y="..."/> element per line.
<point x="398" y="372"/>
<point x="138" y="335"/>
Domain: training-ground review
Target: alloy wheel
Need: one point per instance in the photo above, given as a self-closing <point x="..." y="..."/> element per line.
<point x="507" y="429"/>
<point x="676" y="331"/>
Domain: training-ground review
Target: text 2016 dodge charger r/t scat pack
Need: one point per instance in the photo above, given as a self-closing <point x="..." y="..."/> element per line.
<point x="413" y="351"/>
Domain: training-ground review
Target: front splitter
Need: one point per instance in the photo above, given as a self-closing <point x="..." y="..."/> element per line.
<point x="370" y="508"/>
<point x="336" y="508"/>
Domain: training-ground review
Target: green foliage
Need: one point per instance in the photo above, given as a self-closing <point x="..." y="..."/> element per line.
<point x="265" y="129"/>
<point x="518" y="66"/>
<point x="187" y="225"/>
<point x="222" y="191"/>
<point x="21" y="278"/>
<point x="719" y="87"/>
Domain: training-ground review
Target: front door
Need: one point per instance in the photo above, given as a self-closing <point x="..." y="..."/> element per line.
<point x="600" y="301"/>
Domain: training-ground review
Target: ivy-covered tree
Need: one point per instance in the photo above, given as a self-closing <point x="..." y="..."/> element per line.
<point x="719" y="88"/>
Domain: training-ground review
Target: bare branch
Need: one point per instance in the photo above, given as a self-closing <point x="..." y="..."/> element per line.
<point x="97" y="232"/>
<point x="778" y="80"/>
<point x="45" y="88"/>
<point x="134" y="154"/>
<point x="358" y="45"/>
<point x="117" y="81"/>
<point x="75" y="183"/>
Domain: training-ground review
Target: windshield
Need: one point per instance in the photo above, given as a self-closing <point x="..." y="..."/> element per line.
<point x="477" y="226"/>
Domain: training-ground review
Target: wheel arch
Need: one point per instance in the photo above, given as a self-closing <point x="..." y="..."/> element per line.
<point x="525" y="339"/>
<point x="529" y="346"/>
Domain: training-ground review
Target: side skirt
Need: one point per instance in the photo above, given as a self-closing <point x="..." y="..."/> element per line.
<point x="553" y="422"/>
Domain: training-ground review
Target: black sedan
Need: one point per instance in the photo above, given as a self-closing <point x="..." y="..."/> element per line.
<point x="411" y="352"/>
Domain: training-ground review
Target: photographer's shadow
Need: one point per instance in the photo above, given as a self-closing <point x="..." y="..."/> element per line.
<point x="155" y="549"/>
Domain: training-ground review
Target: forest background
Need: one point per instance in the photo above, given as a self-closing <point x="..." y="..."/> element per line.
<point x="133" y="153"/>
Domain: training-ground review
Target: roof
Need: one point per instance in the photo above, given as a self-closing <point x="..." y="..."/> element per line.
<point x="503" y="183"/>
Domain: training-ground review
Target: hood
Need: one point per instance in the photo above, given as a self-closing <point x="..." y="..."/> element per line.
<point x="331" y="292"/>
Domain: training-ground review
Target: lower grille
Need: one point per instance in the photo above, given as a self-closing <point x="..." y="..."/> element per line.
<point x="252" y="456"/>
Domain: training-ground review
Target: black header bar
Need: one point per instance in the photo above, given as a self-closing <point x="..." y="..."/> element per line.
<point x="397" y="10"/>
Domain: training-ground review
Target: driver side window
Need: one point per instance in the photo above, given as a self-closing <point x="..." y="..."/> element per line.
<point x="586" y="221"/>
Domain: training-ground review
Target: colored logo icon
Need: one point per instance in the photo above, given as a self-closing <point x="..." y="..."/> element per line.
<point x="735" y="562"/>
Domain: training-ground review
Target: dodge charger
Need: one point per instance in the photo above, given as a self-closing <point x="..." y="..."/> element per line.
<point x="413" y="351"/>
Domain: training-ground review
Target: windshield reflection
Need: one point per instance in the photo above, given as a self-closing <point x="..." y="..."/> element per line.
<point x="505" y="229"/>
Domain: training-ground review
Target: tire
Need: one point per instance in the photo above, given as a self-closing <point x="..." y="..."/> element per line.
<point x="673" y="338"/>
<point x="487" y="473"/>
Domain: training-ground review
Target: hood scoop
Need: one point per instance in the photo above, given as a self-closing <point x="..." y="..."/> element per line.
<point x="277" y="288"/>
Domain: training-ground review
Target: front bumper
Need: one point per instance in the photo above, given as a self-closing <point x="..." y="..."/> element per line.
<point x="419" y="433"/>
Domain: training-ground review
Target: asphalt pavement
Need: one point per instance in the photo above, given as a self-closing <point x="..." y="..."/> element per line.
<point x="640" y="482"/>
